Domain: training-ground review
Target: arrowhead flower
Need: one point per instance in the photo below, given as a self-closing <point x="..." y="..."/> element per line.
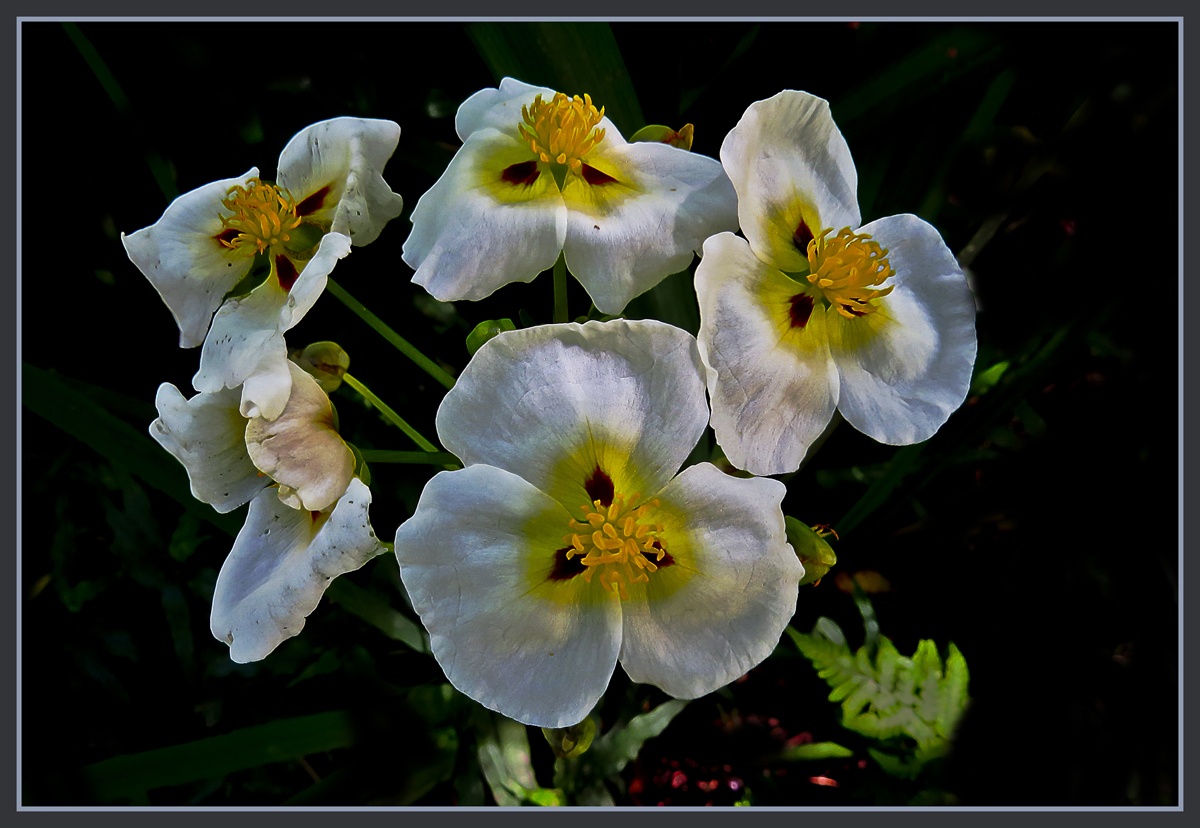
<point x="569" y="543"/>
<point x="300" y="533"/>
<point x="330" y="194"/>
<point x="811" y="312"/>
<point x="540" y="174"/>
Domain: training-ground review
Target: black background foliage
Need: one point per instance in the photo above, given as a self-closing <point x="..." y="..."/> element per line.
<point x="1037" y="530"/>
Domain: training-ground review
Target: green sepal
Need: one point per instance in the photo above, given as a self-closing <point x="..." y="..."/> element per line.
<point x="361" y="470"/>
<point x="486" y="330"/>
<point x="659" y="134"/>
<point x="811" y="548"/>
<point x="569" y="742"/>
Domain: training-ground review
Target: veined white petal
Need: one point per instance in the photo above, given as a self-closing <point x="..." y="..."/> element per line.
<point x="183" y="260"/>
<point x="477" y="558"/>
<point x="789" y="163"/>
<point x="720" y="608"/>
<point x="657" y="205"/>
<point x="909" y="367"/>
<point x="773" y="387"/>
<point x="334" y="169"/>
<point x="311" y="282"/>
<point x="474" y="231"/>
<point x="300" y="449"/>
<point x="497" y="108"/>
<point x="281" y="563"/>
<point x="554" y="402"/>
<point x="207" y="435"/>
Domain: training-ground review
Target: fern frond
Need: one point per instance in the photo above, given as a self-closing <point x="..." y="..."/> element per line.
<point x="914" y="702"/>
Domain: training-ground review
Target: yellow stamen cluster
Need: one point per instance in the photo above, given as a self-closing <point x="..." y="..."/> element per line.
<point x="616" y="541"/>
<point x="262" y="215"/>
<point x="848" y="268"/>
<point x="560" y="131"/>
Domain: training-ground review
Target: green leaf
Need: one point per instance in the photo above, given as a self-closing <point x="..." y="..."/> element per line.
<point x="507" y="765"/>
<point x="910" y="706"/>
<point x="814" y="751"/>
<point x="568" y="57"/>
<point x="616" y="748"/>
<point x="375" y="610"/>
<point x="130" y="777"/>
<point x="118" y="442"/>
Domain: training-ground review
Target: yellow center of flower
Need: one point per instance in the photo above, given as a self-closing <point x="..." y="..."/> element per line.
<point x="849" y="268"/>
<point x="620" y="541"/>
<point x="562" y="130"/>
<point x="260" y="217"/>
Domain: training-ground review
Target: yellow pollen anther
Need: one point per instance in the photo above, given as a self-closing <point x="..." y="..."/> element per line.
<point x="261" y="217"/>
<point x="622" y="556"/>
<point x="561" y="130"/>
<point x="849" y="268"/>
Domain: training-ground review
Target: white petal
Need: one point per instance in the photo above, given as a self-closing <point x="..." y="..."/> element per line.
<point x="281" y="563"/>
<point x="347" y="156"/>
<point x="720" y="608"/>
<point x="207" y="435"/>
<point x="554" y="402"/>
<point x="773" y="388"/>
<point x="475" y="558"/>
<point x="627" y="235"/>
<point x="300" y="449"/>
<point x="909" y="368"/>
<point x="789" y="162"/>
<point x="245" y="345"/>
<point x="474" y="232"/>
<point x="497" y="108"/>
<point x="185" y="263"/>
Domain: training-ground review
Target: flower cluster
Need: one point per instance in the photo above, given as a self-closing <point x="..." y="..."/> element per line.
<point x="573" y="538"/>
<point x="239" y="262"/>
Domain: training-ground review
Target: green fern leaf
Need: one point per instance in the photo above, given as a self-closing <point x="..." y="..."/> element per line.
<point x="909" y="706"/>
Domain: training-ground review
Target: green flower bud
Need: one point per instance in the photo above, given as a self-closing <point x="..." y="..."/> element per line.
<point x="326" y="362"/>
<point x="485" y="331"/>
<point x="568" y="742"/>
<point x="811" y="548"/>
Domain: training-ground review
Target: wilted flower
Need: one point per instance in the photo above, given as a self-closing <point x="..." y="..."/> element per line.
<point x="569" y="543"/>
<point x="812" y="313"/>
<point x="329" y="194"/>
<point x="541" y="173"/>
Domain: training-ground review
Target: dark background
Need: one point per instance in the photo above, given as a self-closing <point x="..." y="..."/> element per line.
<point x="1037" y="530"/>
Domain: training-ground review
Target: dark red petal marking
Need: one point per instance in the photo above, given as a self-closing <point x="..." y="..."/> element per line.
<point x="226" y="236"/>
<point x="667" y="560"/>
<point x="524" y="173"/>
<point x="801" y="309"/>
<point x="286" y="271"/>
<point x="596" y="178"/>
<point x="802" y="237"/>
<point x="600" y="487"/>
<point x="313" y="203"/>
<point x="566" y="568"/>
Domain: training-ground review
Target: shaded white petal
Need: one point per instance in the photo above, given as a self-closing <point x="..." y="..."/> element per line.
<point x="334" y="169"/>
<point x="552" y="403"/>
<point x="281" y="563"/>
<point x="626" y="235"/>
<point x="207" y="435"/>
<point x="720" y="608"/>
<point x="474" y="232"/>
<point x="789" y="162"/>
<point x="245" y="345"/>
<point x="909" y="367"/>
<point x="773" y="387"/>
<point x="185" y="263"/>
<point x="300" y="449"/>
<point x="475" y="558"/>
<point x="497" y="108"/>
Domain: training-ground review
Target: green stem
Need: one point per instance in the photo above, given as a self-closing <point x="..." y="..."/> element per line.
<point x="400" y="343"/>
<point x="387" y="411"/>
<point x="434" y="458"/>
<point x="560" y="289"/>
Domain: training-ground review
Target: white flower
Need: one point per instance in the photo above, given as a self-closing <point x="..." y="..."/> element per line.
<point x="330" y="194"/>
<point x="568" y="543"/>
<point x="230" y="459"/>
<point x="281" y="563"/>
<point x="812" y="313"/>
<point x="540" y="173"/>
